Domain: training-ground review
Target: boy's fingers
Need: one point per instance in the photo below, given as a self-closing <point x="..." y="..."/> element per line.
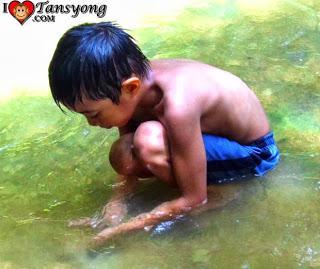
<point x="82" y="222"/>
<point x="114" y="213"/>
<point x="101" y="224"/>
<point x="102" y="238"/>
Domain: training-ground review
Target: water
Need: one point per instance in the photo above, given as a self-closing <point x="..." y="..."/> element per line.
<point x="54" y="166"/>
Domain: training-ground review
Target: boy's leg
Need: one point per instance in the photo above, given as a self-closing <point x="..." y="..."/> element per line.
<point x="123" y="159"/>
<point x="124" y="162"/>
<point x="146" y="153"/>
<point x="152" y="151"/>
<point x="227" y="160"/>
<point x="151" y="146"/>
<point x="134" y="155"/>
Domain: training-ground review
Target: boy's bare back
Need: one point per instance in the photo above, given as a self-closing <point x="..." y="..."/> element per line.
<point x="223" y="102"/>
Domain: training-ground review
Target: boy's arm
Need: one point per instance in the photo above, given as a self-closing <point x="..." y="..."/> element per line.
<point x="189" y="167"/>
<point x="114" y="211"/>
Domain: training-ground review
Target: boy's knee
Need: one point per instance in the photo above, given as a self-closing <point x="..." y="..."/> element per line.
<point x="120" y="156"/>
<point x="149" y="141"/>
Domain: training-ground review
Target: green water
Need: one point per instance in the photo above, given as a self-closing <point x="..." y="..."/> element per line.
<point x="54" y="167"/>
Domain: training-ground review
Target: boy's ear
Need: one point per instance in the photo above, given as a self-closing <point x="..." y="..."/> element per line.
<point x="131" y="86"/>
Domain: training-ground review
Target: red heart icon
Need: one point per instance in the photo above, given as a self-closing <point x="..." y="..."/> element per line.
<point x="21" y="11"/>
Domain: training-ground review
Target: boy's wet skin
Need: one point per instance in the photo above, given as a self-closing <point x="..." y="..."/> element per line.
<point x="187" y="98"/>
<point x="186" y="123"/>
<point x="124" y="160"/>
<point x="221" y="103"/>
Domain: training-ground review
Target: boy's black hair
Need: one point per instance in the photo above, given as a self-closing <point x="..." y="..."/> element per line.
<point x="91" y="60"/>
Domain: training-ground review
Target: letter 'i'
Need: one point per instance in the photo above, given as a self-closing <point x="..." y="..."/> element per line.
<point x="5" y="7"/>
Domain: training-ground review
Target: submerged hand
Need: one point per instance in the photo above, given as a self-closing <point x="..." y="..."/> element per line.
<point x="103" y="237"/>
<point x="163" y="212"/>
<point x="113" y="213"/>
<point x="82" y="222"/>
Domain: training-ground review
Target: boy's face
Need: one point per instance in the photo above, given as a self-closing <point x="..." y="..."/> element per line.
<point x="103" y="113"/>
<point x="106" y="114"/>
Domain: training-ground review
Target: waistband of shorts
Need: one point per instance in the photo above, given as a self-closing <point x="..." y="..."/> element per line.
<point x="264" y="141"/>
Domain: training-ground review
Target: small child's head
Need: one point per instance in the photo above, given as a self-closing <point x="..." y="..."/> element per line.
<point x="96" y="70"/>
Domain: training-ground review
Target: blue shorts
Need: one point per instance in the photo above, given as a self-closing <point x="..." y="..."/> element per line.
<point x="229" y="161"/>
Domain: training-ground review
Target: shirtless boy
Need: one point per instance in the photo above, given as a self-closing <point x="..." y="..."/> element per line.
<point x="186" y="123"/>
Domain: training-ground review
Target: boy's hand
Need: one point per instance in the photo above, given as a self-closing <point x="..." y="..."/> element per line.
<point x="113" y="213"/>
<point x="115" y="210"/>
<point x="163" y="212"/>
<point x="82" y="222"/>
<point x="218" y="196"/>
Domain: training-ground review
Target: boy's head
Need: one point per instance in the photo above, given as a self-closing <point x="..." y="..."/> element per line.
<point x="95" y="70"/>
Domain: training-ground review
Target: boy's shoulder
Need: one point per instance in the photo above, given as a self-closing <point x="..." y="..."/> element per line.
<point x="184" y="89"/>
<point x="171" y="70"/>
<point x="194" y="79"/>
<point x="177" y="64"/>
